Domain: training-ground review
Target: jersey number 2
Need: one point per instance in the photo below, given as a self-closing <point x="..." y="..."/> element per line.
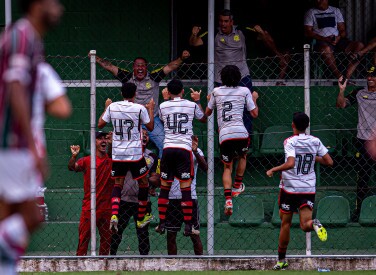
<point x="227" y="106"/>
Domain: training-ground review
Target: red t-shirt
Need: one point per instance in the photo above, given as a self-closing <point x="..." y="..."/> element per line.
<point x="103" y="180"/>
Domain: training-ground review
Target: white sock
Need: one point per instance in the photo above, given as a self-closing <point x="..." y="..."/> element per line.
<point x="14" y="235"/>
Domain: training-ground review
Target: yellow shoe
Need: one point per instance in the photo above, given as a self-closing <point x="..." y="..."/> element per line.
<point x="320" y="230"/>
<point x="146" y="220"/>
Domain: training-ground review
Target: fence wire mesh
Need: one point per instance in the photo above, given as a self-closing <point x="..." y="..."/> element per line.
<point x="344" y="200"/>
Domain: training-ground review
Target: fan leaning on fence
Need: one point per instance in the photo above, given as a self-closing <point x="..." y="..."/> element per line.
<point x="147" y="87"/>
<point x="298" y="183"/>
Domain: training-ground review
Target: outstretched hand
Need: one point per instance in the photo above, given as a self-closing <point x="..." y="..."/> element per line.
<point x="269" y="173"/>
<point x="165" y="94"/>
<point x="107" y="103"/>
<point x="185" y="54"/>
<point x="75" y="149"/>
<point x="195" y="95"/>
<point x="150" y="105"/>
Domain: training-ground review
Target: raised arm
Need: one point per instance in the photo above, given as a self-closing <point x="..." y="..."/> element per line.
<point x="254" y="113"/>
<point x="341" y="100"/>
<point x="195" y="40"/>
<point x="195" y="95"/>
<point x="173" y="65"/>
<point x="150" y="108"/>
<point x="101" y="122"/>
<point x="105" y="64"/>
<point x="72" y="165"/>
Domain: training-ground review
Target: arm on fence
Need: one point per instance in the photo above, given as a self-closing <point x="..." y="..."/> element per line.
<point x="107" y="65"/>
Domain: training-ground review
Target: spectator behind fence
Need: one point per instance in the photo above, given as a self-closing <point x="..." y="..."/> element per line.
<point x="298" y="183"/>
<point x="147" y="87"/>
<point x="234" y="139"/>
<point x="126" y="118"/>
<point x="230" y="49"/>
<point x="22" y="165"/>
<point x="325" y="24"/>
<point x="177" y="115"/>
<point x="366" y="100"/>
<point x="104" y="186"/>
<point x="129" y="203"/>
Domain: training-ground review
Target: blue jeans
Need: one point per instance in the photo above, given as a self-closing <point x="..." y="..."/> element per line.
<point x="157" y="135"/>
<point x="247" y="118"/>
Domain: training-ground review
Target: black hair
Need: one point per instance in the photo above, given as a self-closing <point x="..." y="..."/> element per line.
<point x="128" y="90"/>
<point x="25" y="5"/>
<point x="142" y="58"/>
<point x="226" y="12"/>
<point x="175" y="86"/>
<point x="301" y="121"/>
<point x="230" y="76"/>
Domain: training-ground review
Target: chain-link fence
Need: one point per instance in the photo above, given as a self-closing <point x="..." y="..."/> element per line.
<point x="344" y="200"/>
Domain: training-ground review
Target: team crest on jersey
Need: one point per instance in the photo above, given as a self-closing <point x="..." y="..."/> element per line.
<point x="148" y="160"/>
<point x="148" y="85"/>
<point x="285" y="206"/>
<point x="185" y="175"/>
<point x="236" y="38"/>
<point x="222" y="40"/>
<point x="225" y="158"/>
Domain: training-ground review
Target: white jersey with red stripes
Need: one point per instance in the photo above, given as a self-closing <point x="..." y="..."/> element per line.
<point x="302" y="178"/>
<point x="177" y="116"/>
<point x="127" y="119"/>
<point x="230" y="102"/>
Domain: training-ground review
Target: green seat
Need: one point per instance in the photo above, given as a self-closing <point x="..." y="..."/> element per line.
<point x="327" y="135"/>
<point x="203" y="209"/>
<point x="276" y="220"/>
<point x="367" y="212"/>
<point x="273" y="138"/>
<point x="333" y="211"/>
<point x="247" y="211"/>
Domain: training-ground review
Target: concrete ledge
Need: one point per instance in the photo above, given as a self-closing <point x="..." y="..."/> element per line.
<point x="204" y="263"/>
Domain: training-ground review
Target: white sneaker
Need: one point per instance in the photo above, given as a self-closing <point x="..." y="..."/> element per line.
<point x="237" y="191"/>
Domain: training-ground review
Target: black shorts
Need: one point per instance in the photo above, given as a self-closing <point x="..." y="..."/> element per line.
<point x="341" y="46"/>
<point x="175" y="217"/>
<point x="233" y="148"/>
<point x="176" y="163"/>
<point x="291" y="203"/>
<point x="139" y="168"/>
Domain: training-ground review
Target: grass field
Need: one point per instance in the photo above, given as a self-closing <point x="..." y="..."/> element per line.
<point x="249" y="272"/>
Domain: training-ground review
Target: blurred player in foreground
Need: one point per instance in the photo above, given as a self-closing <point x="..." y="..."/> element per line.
<point x="22" y="165"/>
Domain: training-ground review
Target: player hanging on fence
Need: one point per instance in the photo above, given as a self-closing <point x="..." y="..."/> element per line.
<point x="177" y="115"/>
<point x="127" y="118"/>
<point x="298" y="183"/>
<point x="234" y="140"/>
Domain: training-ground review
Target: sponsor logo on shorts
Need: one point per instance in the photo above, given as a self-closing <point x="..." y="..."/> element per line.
<point x="225" y="158"/>
<point x="143" y="170"/>
<point x="164" y="175"/>
<point x="185" y="175"/>
<point x="285" y="206"/>
<point x="112" y="173"/>
<point x="245" y="149"/>
<point x="310" y="204"/>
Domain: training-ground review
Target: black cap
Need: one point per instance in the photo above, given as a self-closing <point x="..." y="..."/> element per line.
<point x="372" y="71"/>
<point x="99" y="134"/>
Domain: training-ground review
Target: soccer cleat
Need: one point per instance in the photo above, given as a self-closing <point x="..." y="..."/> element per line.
<point x="114" y="222"/>
<point x="189" y="230"/>
<point x="281" y="265"/>
<point x="145" y="221"/>
<point x="237" y="191"/>
<point x="320" y="230"/>
<point x="160" y="228"/>
<point x="228" y="208"/>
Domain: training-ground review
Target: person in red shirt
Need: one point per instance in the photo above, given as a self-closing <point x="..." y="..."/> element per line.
<point x="104" y="186"/>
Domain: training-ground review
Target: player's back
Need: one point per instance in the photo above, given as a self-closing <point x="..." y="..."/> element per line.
<point x="302" y="178"/>
<point x="230" y="103"/>
<point x="177" y="116"/>
<point x="126" y="118"/>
